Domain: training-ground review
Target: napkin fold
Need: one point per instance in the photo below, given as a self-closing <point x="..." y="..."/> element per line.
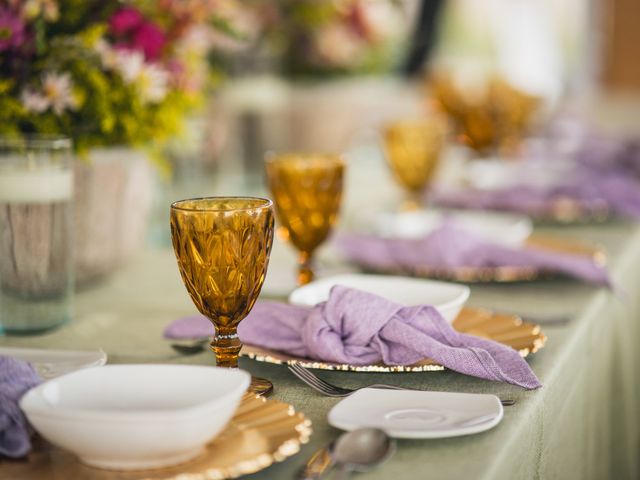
<point x="361" y="328"/>
<point x="450" y="247"/>
<point x="16" y="377"/>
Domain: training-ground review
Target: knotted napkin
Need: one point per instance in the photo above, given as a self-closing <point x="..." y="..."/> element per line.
<point x="361" y="328"/>
<point x="16" y="377"/>
<point x="450" y="247"/>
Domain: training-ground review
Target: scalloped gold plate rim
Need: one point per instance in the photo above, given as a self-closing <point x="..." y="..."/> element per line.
<point x="511" y="330"/>
<point x="262" y="432"/>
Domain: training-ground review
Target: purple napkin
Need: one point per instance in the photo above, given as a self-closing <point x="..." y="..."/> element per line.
<point x="606" y="178"/>
<point x="591" y="192"/>
<point x="16" y="377"/>
<point x="360" y="328"/>
<point x="450" y="247"/>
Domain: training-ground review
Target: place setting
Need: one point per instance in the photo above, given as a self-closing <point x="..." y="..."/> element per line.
<point x="319" y="240"/>
<point x="357" y="322"/>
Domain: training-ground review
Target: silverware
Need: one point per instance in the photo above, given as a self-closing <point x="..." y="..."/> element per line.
<point x="331" y="390"/>
<point x="361" y="450"/>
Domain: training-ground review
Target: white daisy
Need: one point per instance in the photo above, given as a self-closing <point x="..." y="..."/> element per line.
<point x="58" y="89"/>
<point x="153" y="83"/>
<point x="129" y="64"/>
<point x="56" y="93"/>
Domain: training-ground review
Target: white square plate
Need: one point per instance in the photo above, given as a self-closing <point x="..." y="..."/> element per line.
<point x="53" y="363"/>
<point x="417" y="414"/>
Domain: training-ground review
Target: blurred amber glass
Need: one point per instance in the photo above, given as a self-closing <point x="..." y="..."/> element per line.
<point x="307" y="190"/>
<point x="489" y="120"/>
<point x="412" y="149"/>
<point x="222" y="245"/>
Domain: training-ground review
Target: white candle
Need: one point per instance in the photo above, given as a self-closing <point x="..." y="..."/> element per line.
<point x="35" y="186"/>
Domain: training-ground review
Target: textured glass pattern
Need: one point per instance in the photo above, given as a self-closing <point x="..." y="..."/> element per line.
<point x="490" y="118"/>
<point x="412" y="149"/>
<point x="307" y="190"/>
<point x="222" y="246"/>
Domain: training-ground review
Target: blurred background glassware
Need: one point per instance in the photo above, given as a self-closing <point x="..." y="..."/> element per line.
<point x="36" y="233"/>
<point x="222" y="245"/>
<point x="492" y="117"/>
<point x="413" y="149"/>
<point x="307" y="191"/>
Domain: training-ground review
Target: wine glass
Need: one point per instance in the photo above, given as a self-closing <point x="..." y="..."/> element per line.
<point x="222" y="245"/>
<point x="307" y="190"/>
<point x="412" y="149"/>
<point x="491" y="118"/>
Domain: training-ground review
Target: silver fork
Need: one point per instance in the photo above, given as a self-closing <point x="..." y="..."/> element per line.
<point x="331" y="390"/>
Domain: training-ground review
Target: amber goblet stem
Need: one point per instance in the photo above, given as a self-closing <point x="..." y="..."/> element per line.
<point x="226" y="345"/>
<point x="305" y="268"/>
<point x="413" y="201"/>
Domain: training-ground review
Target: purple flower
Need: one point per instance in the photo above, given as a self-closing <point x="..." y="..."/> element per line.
<point x="125" y="20"/>
<point x="12" y="30"/>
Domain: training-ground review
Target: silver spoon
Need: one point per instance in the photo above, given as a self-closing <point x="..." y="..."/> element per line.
<point x="361" y="450"/>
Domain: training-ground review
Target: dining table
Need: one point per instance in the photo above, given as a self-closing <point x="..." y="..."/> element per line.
<point x="583" y="423"/>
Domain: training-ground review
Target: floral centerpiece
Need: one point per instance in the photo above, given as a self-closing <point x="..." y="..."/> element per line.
<point x="345" y="37"/>
<point x="102" y="72"/>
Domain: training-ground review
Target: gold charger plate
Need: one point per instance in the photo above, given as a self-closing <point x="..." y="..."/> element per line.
<point x="504" y="274"/>
<point x="260" y="433"/>
<point x="510" y="330"/>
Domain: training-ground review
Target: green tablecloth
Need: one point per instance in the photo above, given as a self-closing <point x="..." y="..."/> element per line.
<point x="583" y="424"/>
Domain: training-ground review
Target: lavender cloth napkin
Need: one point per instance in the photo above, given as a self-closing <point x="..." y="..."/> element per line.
<point x="606" y="177"/>
<point x="450" y="247"/>
<point x="360" y="328"/>
<point x="592" y="192"/>
<point x="16" y="377"/>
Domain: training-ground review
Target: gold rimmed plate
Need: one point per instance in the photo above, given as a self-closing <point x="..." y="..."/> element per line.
<point x="511" y="330"/>
<point x="500" y="274"/>
<point x="261" y="432"/>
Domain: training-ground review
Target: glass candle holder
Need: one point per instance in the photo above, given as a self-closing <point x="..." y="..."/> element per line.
<point x="36" y="240"/>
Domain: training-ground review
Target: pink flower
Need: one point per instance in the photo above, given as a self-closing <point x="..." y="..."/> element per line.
<point x="12" y="31"/>
<point x="149" y="39"/>
<point x="125" y="20"/>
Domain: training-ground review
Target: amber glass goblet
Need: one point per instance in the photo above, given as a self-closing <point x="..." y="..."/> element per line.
<point x="491" y="119"/>
<point x="307" y="190"/>
<point x="222" y="245"/>
<point x="412" y="149"/>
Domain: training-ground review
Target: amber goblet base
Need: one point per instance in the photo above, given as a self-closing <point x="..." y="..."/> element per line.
<point x="226" y="346"/>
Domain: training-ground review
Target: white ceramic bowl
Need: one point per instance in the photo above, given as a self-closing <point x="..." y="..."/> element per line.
<point x="447" y="298"/>
<point x="129" y="417"/>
